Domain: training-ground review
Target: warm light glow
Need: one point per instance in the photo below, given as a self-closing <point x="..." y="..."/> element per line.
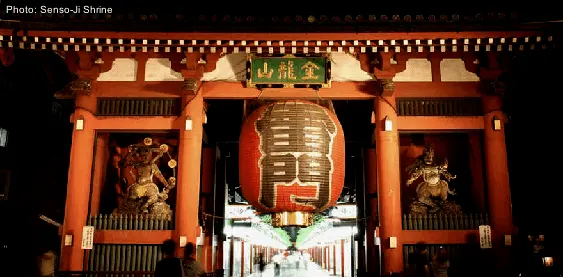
<point x="204" y="118"/>
<point x="183" y="241"/>
<point x="326" y="233"/>
<point x="68" y="240"/>
<point x="392" y="242"/>
<point x="388" y="124"/>
<point x="189" y="123"/>
<point x="344" y="211"/>
<point x="252" y="235"/>
<point x="79" y="125"/>
<point x="497" y="124"/>
<point x="240" y="212"/>
<point x="372" y="117"/>
<point x="547" y="261"/>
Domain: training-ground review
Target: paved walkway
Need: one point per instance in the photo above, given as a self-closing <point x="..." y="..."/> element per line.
<point x="311" y="269"/>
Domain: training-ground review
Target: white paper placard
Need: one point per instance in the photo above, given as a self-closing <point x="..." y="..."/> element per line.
<point x="87" y="237"/>
<point x="485" y="236"/>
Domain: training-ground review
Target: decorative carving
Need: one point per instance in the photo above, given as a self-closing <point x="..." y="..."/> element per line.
<point x="386" y="86"/>
<point x="432" y="192"/>
<point x="190" y="84"/>
<point x="144" y="196"/>
<point x="80" y="86"/>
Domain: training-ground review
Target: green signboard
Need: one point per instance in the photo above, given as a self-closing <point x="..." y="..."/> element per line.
<point x="288" y="71"/>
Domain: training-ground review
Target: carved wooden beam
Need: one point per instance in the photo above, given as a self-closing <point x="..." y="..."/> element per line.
<point x="193" y="66"/>
<point x="386" y="67"/>
<point x="85" y="66"/>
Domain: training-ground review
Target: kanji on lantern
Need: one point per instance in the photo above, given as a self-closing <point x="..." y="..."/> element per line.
<point x="291" y="157"/>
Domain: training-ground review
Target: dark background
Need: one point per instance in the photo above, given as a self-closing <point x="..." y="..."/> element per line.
<point x="40" y="136"/>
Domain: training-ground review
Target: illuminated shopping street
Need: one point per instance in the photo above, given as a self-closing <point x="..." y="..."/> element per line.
<point x="323" y="249"/>
<point x="310" y="270"/>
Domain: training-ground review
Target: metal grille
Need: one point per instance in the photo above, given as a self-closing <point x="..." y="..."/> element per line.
<point x="439" y="107"/>
<point x="444" y="222"/>
<point x="138" y="107"/>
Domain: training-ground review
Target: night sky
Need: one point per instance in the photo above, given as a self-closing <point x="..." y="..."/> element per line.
<point x="534" y="140"/>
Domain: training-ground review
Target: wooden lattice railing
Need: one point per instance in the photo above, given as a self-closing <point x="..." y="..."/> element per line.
<point x="444" y="222"/>
<point x="130" y="222"/>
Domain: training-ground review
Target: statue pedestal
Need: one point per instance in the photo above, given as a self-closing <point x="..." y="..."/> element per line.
<point x="440" y="207"/>
<point x="133" y="207"/>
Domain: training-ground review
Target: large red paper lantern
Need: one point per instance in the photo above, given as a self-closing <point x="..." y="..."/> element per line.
<point x="291" y="161"/>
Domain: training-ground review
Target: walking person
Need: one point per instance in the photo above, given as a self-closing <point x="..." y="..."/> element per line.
<point x="170" y="265"/>
<point x="192" y="268"/>
<point x="440" y="263"/>
<point x="418" y="262"/>
<point x="261" y="263"/>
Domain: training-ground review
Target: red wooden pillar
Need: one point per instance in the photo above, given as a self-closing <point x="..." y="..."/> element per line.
<point x="189" y="169"/>
<point x="334" y="259"/>
<point x="371" y="207"/>
<point x="496" y="166"/>
<point x="327" y="251"/>
<point x="342" y="257"/>
<point x="328" y="257"/>
<point x="325" y="258"/>
<point x="251" y="258"/>
<point x="314" y="254"/>
<point x="232" y="256"/>
<point x="389" y="182"/>
<point x="241" y="258"/>
<point x="78" y="188"/>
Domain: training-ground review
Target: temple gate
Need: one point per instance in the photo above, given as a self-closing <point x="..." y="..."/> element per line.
<point x="141" y="103"/>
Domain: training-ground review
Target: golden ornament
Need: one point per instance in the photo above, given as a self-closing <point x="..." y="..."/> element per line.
<point x="164" y="147"/>
<point x="147" y="141"/>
